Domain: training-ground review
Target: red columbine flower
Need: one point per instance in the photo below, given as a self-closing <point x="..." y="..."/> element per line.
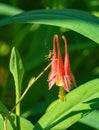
<point x="61" y="73"/>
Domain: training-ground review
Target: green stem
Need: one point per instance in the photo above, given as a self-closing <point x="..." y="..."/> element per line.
<point x="18" y="109"/>
<point x="18" y="117"/>
<point x="18" y="122"/>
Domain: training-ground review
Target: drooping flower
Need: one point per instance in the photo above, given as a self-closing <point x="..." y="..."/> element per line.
<point x="60" y="73"/>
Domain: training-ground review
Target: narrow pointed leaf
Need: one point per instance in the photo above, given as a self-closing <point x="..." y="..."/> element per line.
<point x="76" y="20"/>
<point x="17" y="70"/>
<point x="80" y="102"/>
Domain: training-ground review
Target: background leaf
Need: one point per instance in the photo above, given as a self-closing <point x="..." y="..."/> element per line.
<point x="76" y="20"/>
<point x="8" y="10"/>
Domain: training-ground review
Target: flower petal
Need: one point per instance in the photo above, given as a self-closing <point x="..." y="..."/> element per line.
<point x="53" y="73"/>
<point x="52" y="79"/>
<point x="66" y="60"/>
<point x="60" y="67"/>
<point x="69" y="77"/>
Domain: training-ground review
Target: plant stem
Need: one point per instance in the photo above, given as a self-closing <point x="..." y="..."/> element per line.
<point x="18" y="110"/>
<point x="31" y="82"/>
<point x="61" y="94"/>
<point x="5" y="123"/>
<point x="18" y="122"/>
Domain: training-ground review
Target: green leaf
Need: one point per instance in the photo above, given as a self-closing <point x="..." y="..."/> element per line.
<point x="9" y="10"/>
<point x="76" y="20"/>
<point x="17" y="70"/>
<point x="80" y="102"/>
<point x="25" y="124"/>
<point x="5" y="113"/>
<point x="91" y="119"/>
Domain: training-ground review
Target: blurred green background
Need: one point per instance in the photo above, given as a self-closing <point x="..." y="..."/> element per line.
<point x="34" y="42"/>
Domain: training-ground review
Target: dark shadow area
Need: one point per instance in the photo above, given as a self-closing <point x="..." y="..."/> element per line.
<point x="94" y="103"/>
<point x="38" y="127"/>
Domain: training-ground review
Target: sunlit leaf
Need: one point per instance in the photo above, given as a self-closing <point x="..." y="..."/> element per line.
<point x="16" y="68"/>
<point x="80" y="102"/>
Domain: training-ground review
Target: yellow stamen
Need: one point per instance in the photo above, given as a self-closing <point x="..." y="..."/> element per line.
<point x="62" y="94"/>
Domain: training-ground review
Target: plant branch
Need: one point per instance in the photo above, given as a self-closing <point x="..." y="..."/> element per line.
<point x="31" y="82"/>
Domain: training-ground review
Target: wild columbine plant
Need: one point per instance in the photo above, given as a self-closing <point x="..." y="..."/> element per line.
<point x="61" y="73"/>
